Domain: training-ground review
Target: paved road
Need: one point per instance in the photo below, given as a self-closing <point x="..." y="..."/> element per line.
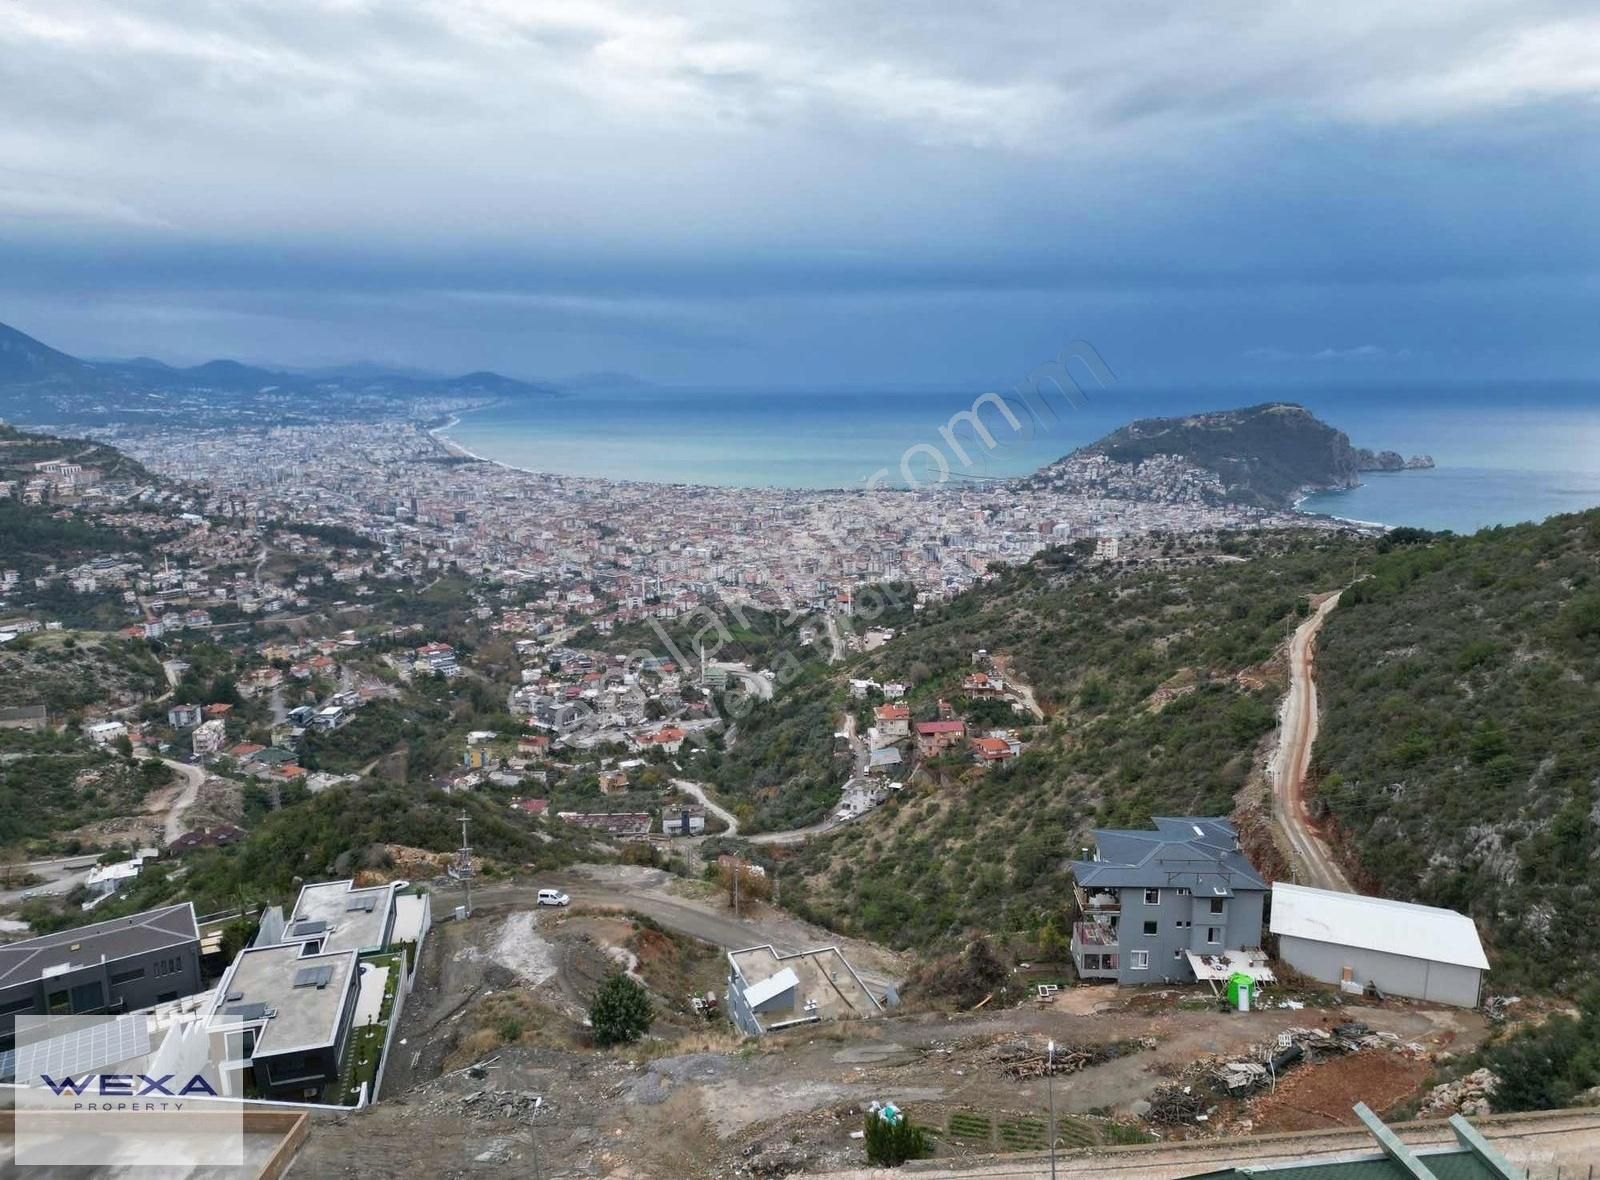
<point x="1297" y="733"/>
<point x="756" y="685"/>
<point x="699" y="792"/>
<point x="57" y="877"/>
<point x="192" y="777"/>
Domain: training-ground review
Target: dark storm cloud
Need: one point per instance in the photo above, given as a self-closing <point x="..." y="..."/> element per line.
<point x="721" y="191"/>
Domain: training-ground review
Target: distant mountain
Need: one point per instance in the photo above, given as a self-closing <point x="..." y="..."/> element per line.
<point x="22" y="358"/>
<point x="1264" y="456"/>
<point x="40" y="383"/>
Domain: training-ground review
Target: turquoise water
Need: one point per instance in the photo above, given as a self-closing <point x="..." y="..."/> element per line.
<point x="1504" y="455"/>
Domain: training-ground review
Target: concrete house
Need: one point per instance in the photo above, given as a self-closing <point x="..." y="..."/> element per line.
<point x="288" y="1016"/>
<point x="1418" y="951"/>
<point x="1154" y="902"/>
<point x="120" y="965"/>
<point x="337" y="916"/>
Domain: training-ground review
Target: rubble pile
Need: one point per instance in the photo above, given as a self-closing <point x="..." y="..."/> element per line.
<point x="1022" y="1058"/>
<point x="1263" y="1065"/>
<point x="1467" y="1095"/>
<point x="1173" y="1105"/>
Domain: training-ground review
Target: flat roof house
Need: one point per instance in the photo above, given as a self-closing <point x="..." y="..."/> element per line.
<point x="337" y="916"/>
<point x="291" y="1013"/>
<point x="1151" y="899"/>
<point x="119" y="965"/>
<point x="768" y="991"/>
<point x="1403" y="949"/>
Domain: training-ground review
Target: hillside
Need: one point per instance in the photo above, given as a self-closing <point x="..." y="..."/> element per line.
<point x="1160" y="681"/>
<point x="1263" y="456"/>
<point x="1461" y="689"/>
<point x="40" y="383"/>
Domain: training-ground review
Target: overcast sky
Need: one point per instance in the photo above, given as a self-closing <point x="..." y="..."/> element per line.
<point x="872" y="191"/>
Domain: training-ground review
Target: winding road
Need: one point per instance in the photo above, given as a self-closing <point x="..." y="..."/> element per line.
<point x="192" y="777"/>
<point x="1297" y="733"/>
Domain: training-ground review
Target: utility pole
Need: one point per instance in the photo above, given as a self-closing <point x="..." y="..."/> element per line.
<point x="1050" y="1088"/>
<point x="738" y="869"/>
<point x="465" y="871"/>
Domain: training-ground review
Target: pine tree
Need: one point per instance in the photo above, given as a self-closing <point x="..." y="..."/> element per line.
<point x="620" y="1012"/>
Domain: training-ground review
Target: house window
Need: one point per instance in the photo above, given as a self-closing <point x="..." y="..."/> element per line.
<point x="1152" y="897"/>
<point x="1177" y="954"/>
<point x="1150" y="928"/>
<point x="128" y="976"/>
<point x="1183" y="923"/>
<point x="1213" y="935"/>
<point x="1216" y="904"/>
<point x="88" y="997"/>
<point x="1091" y="962"/>
<point x="1140" y="961"/>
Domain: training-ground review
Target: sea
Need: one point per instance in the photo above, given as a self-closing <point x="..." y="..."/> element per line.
<point x="1503" y="454"/>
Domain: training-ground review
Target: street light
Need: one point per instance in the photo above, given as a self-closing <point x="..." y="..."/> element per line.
<point x="1050" y="1088"/>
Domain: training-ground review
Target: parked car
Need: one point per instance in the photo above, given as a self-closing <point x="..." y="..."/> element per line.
<point x="553" y="897"/>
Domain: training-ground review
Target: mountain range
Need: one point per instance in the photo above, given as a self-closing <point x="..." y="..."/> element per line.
<point x="30" y="368"/>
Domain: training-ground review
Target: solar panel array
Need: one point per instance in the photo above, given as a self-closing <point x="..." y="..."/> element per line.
<point x="83" y="1050"/>
<point x="367" y="904"/>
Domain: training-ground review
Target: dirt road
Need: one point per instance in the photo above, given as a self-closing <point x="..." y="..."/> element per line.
<point x="192" y="777"/>
<point x="647" y="892"/>
<point x="1297" y="733"/>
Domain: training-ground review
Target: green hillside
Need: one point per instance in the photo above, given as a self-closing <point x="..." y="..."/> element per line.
<point x="1461" y="736"/>
<point x="1161" y="681"/>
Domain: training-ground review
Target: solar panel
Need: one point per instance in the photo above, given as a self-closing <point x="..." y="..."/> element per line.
<point x="310" y="926"/>
<point x="254" y="1011"/>
<point x="313" y="976"/>
<point x="84" y="1050"/>
<point x="360" y="903"/>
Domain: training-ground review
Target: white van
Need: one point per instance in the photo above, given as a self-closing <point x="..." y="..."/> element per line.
<point x="553" y="897"/>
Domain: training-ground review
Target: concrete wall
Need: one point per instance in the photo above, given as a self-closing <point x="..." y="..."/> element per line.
<point x="738" y="1011"/>
<point x="1397" y="975"/>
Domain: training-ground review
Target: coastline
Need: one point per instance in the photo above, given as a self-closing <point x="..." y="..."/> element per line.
<point x="454" y="449"/>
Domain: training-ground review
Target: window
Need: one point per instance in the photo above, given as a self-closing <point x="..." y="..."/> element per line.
<point x="1213" y="934"/>
<point x="88" y="997"/>
<point x="58" y="1004"/>
<point x="121" y="977"/>
<point x="1217" y="903"/>
<point x="1140" y="961"/>
<point x="169" y="966"/>
<point x="1152" y="897"/>
<point x="1177" y="953"/>
<point x="1183" y="923"/>
<point x="1091" y="962"/>
<point x="12" y="1007"/>
<point x="1150" y="928"/>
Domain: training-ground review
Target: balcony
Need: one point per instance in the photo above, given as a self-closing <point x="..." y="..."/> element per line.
<point x="1098" y="901"/>
<point x="1094" y="950"/>
<point x="1093" y="934"/>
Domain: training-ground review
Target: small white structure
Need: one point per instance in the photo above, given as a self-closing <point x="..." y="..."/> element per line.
<point x="1403" y="949"/>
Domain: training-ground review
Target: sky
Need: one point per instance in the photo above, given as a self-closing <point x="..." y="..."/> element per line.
<point x="828" y="193"/>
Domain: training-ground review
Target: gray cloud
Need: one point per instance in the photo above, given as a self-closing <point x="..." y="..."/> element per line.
<point x="632" y="172"/>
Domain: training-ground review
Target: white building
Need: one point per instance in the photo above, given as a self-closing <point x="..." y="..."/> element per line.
<point x="1403" y="949"/>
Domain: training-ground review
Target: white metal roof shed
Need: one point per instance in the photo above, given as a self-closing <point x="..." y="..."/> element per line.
<point x="1377" y="924"/>
<point x="773" y="986"/>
